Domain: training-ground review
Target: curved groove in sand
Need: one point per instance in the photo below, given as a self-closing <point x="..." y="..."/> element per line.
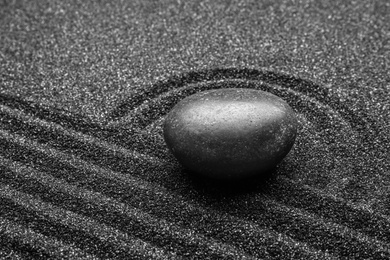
<point x="112" y="184"/>
<point x="108" y="209"/>
<point x="80" y="166"/>
<point x="39" y="213"/>
<point x="62" y="130"/>
<point x="49" y="247"/>
<point x="305" y="87"/>
<point x="138" y="116"/>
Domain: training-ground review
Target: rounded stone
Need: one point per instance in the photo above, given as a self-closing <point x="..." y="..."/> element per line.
<point x="230" y="134"/>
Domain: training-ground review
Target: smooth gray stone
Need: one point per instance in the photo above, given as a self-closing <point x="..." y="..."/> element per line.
<point x="230" y="134"/>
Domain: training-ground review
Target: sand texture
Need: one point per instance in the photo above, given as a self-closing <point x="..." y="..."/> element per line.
<point x="85" y="87"/>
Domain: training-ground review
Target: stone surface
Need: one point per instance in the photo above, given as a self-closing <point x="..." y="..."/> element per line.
<point x="230" y="134"/>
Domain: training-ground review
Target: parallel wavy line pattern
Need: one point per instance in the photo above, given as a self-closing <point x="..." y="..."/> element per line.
<point x="33" y="151"/>
<point x="93" y="190"/>
<point x="137" y="222"/>
<point x="49" y="220"/>
<point x="44" y="247"/>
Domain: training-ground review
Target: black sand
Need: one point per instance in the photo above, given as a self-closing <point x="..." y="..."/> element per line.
<point x="85" y="86"/>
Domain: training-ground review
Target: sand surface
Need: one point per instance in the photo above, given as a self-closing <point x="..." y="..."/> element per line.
<point x="85" y="86"/>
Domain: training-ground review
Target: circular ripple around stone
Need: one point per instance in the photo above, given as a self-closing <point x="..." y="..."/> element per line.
<point x="329" y="136"/>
